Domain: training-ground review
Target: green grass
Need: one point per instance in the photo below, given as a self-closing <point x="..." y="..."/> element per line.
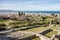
<point x="2" y="20"/>
<point x="50" y="34"/>
<point x="37" y="38"/>
<point x="47" y="20"/>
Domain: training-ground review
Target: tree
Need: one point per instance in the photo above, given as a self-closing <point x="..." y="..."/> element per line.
<point x="19" y="13"/>
<point x="52" y="14"/>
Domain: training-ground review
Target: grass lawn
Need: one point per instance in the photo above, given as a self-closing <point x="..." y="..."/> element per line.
<point x="56" y="27"/>
<point x="7" y="21"/>
<point x="50" y="34"/>
<point x="37" y="38"/>
<point x="19" y="34"/>
<point x="38" y="29"/>
<point x="2" y="20"/>
<point x="47" y="20"/>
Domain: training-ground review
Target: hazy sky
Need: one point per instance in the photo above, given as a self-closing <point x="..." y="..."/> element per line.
<point x="32" y="5"/>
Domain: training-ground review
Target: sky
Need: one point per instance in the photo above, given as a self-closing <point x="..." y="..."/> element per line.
<point x="30" y="5"/>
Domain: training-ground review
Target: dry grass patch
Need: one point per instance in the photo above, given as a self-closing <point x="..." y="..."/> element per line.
<point x="50" y="34"/>
<point x="37" y="29"/>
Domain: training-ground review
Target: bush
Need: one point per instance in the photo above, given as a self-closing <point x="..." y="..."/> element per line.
<point x="15" y="23"/>
<point x="2" y="24"/>
<point x="1" y="29"/>
<point x="16" y="27"/>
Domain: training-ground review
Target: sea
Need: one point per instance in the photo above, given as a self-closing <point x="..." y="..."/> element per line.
<point x="37" y="12"/>
<point x="46" y="12"/>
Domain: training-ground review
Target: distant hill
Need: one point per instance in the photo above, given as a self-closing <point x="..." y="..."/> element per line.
<point x="7" y="11"/>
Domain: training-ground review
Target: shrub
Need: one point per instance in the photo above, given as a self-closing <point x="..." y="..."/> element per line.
<point x="1" y="29"/>
<point x="2" y="24"/>
<point x="16" y="27"/>
<point x="14" y="23"/>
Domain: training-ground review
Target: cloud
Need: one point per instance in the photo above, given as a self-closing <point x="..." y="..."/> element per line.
<point x="30" y="4"/>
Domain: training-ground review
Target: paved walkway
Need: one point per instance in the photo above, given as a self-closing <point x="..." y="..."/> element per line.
<point x="37" y="34"/>
<point x="42" y="37"/>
